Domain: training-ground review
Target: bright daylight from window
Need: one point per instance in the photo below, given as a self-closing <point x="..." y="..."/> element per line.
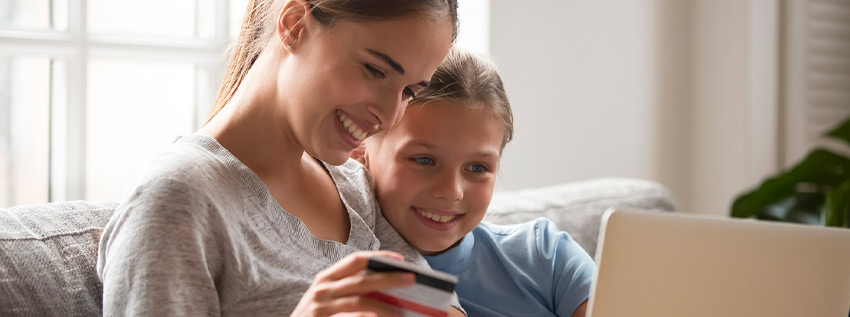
<point x="85" y="98"/>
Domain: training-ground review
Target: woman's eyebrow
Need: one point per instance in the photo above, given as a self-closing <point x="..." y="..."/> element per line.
<point x="394" y="65"/>
<point x="387" y="60"/>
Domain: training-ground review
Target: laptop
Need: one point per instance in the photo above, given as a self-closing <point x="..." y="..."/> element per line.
<point x="677" y="264"/>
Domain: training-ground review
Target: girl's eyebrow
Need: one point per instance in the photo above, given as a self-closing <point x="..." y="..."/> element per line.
<point x="394" y="65"/>
<point x="482" y="153"/>
<point x="422" y="144"/>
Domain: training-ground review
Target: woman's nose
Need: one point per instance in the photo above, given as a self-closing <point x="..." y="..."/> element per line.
<point x="389" y="109"/>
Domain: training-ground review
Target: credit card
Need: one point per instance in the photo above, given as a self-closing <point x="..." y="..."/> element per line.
<point x="430" y="296"/>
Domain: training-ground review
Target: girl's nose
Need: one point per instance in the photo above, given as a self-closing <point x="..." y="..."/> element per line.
<point x="449" y="187"/>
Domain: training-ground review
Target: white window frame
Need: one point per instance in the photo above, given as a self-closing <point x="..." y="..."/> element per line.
<point x="75" y="47"/>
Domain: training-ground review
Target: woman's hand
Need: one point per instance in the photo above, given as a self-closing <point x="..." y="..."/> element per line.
<point x="339" y="290"/>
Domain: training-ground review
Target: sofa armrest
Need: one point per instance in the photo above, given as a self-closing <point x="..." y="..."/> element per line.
<point x="577" y="207"/>
<point x="48" y="256"/>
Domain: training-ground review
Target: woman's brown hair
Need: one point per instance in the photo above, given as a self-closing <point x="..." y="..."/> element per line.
<point x="258" y="26"/>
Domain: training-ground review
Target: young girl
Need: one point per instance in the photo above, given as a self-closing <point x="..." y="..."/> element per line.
<point x="240" y="217"/>
<point x="434" y="175"/>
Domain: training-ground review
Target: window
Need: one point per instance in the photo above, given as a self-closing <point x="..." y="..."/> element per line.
<point x="817" y="75"/>
<point x="88" y="92"/>
<point x="90" y="89"/>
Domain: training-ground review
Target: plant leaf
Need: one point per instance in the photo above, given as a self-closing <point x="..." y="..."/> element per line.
<point x="820" y="167"/>
<point x="836" y="209"/>
<point x="802" y="208"/>
<point x="841" y="132"/>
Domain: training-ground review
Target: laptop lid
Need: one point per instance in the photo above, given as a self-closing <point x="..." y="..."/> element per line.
<point x="677" y="264"/>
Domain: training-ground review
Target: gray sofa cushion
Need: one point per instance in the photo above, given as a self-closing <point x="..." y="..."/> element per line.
<point x="577" y="207"/>
<point x="48" y="256"/>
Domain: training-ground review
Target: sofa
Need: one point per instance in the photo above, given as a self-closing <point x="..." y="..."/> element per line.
<point x="48" y="251"/>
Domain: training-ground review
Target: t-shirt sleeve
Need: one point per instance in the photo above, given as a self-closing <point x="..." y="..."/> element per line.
<point x="570" y="266"/>
<point x="158" y="254"/>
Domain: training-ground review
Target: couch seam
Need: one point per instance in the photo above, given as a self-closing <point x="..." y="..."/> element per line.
<point x="48" y="237"/>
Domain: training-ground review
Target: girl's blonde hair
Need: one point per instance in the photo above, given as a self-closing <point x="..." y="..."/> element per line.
<point x="258" y="26"/>
<point x="470" y="79"/>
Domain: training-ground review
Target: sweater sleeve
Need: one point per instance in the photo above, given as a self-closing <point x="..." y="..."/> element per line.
<point x="571" y="268"/>
<point x="158" y="254"/>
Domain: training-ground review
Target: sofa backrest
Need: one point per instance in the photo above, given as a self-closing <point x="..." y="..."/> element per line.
<point x="48" y="257"/>
<point x="577" y="207"/>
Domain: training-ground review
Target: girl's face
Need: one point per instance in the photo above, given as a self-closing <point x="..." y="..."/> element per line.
<point x="434" y="173"/>
<point x="355" y="78"/>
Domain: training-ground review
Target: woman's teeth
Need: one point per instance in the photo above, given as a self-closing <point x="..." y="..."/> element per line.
<point x="351" y="127"/>
<point x="436" y="217"/>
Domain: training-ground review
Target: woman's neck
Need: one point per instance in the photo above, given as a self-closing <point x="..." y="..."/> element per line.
<point x="255" y="127"/>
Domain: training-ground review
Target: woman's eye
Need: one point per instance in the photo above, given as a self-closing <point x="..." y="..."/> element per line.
<point x="408" y="93"/>
<point x="477" y="168"/>
<point x="423" y="160"/>
<point x="374" y="71"/>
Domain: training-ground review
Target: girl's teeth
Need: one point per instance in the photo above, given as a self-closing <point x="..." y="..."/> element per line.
<point x="435" y="217"/>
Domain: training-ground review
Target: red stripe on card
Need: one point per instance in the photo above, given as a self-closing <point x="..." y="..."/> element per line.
<point x="408" y="305"/>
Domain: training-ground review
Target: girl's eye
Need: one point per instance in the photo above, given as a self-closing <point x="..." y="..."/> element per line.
<point x="374" y="71"/>
<point x="422" y="160"/>
<point x="408" y="93"/>
<point x="477" y="168"/>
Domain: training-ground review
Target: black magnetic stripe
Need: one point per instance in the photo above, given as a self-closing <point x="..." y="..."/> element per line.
<point x="420" y="278"/>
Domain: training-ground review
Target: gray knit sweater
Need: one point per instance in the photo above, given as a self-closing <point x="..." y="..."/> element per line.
<point x="198" y="233"/>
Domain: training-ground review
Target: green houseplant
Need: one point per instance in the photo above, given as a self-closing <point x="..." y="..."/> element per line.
<point x="815" y="191"/>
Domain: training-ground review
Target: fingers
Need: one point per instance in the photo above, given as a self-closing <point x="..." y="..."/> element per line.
<point x="362" y="284"/>
<point x="362" y="306"/>
<point x="341" y="288"/>
<point x="360" y="314"/>
<point x="352" y="264"/>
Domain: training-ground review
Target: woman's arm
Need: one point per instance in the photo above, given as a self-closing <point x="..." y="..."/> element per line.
<point x="159" y="254"/>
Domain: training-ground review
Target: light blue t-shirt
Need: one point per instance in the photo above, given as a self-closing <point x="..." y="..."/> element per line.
<point x="527" y="269"/>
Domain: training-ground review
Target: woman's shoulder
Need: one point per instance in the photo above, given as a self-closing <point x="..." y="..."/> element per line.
<point x="354" y="185"/>
<point x="190" y="159"/>
<point x="185" y="172"/>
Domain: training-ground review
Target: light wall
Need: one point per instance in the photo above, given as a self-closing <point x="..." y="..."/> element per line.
<point x="651" y="89"/>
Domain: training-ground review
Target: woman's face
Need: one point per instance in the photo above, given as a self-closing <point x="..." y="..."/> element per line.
<point x="435" y="172"/>
<point x="355" y="78"/>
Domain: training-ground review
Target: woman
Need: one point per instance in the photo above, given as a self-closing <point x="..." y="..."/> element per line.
<point x="239" y="217"/>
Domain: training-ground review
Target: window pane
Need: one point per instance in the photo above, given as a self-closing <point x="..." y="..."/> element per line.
<point x="24" y="130"/>
<point x="34" y="14"/>
<point x="152" y="18"/>
<point x="235" y="15"/>
<point x="135" y="109"/>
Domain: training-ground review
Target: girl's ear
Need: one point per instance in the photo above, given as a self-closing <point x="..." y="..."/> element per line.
<point x="290" y="22"/>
